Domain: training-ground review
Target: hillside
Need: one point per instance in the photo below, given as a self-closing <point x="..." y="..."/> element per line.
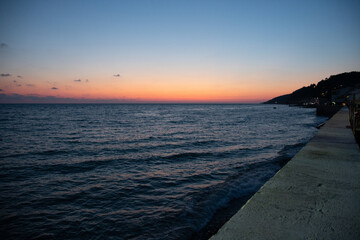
<point x="332" y="89"/>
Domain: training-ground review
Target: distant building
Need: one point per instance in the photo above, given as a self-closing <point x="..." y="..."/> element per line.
<point x="339" y="96"/>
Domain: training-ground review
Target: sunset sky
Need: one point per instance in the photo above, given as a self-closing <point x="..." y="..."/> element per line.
<point x="173" y="51"/>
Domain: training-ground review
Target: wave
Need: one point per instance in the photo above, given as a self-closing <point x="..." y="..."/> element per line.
<point x="168" y="177"/>
<point x="211" y="154"/>
<point x="250" y="177"/>
<point x="23" y="172"/>
<point x="51" y="152"/>
<point x="288" y="152"/>
<point x="75" y="167"/>
<point x="203" y="205"/>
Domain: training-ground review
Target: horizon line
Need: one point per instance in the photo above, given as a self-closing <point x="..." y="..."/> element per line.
<point x="36" y="99"/>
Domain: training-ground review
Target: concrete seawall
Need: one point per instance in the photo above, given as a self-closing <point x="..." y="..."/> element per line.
<point x="315" y="196"/>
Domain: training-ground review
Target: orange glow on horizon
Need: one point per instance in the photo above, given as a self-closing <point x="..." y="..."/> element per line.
<point x="153" y="89"/>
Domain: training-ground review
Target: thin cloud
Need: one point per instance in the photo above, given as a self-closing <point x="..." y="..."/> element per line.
<point x="17" y="84"/>
<point x="19" y="76"/>
<point x="54" y="88"/>
<point x="5" y="75"/>
<point x="30" y="85"/>
<point x="4" y="45"/>
<point x="86" y="80"/>
<point x="1" y="90"/>
<point x="116" y="75"/>
<point x="77" y="80"/>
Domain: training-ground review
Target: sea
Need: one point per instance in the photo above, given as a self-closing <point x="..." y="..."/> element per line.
<point x="137" y="171"/>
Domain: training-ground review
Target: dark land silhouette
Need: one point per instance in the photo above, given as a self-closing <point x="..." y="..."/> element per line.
<point x="335" y="90"/>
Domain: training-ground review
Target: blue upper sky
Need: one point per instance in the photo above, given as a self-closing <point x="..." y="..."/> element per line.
<point x="294" y="43"/>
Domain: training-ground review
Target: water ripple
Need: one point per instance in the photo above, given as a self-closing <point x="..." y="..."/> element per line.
<point x="136" y="171"/>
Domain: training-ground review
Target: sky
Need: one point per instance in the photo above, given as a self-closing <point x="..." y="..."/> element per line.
<point x="172" y="51"/>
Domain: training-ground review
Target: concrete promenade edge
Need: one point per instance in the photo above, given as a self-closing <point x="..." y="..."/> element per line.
<point x="316" y="195"/>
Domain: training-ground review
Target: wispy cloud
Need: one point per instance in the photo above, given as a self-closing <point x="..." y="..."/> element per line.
<point x="30" y="85"/>
<point x="79" y="80"/>
<point x="54" y="88"/>
<point x="3" y="45"/>
<point x="19" y="76"/>
<point x="116" y="75"/>
<point x="5" y="75"/>
<point x="1" y="90"/>
<point x="16" y="83"/>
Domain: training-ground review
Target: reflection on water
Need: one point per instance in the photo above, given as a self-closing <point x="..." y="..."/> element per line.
<point x="136" y="171"/>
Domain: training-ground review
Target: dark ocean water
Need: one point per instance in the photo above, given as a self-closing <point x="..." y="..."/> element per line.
<point x="136" y="171"/>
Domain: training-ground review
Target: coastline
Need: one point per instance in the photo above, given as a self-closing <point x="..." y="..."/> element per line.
<point x="314" y="196"/>
<point x="220" y="217"/>
<point x="224" y="214"/>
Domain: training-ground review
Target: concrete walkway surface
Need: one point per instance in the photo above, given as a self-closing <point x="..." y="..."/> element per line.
<point x="315" y="196"/>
